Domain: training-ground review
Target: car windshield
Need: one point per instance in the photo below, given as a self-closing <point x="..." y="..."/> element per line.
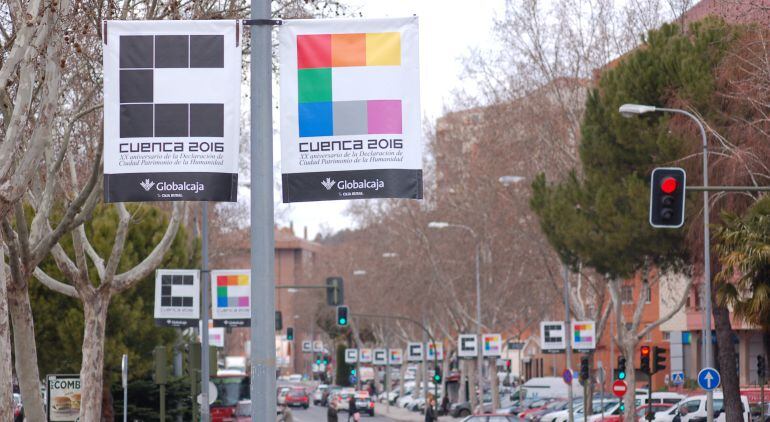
<point x="243" y="409"/>
<point x="230" y="390"/>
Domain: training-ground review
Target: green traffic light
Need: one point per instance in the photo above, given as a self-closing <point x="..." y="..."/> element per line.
<point x="621" y="375"/>
<point x="352" y="372"/>
<point x="343" y="321"/>
<point x="318" y="362"/>
<point x="437" y="378"/>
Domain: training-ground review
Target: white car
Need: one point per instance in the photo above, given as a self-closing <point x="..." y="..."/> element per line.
<point x="561" y="414"/>
<point x="597" y="409"/>
<point x="695" y="407"/>
<point x="664" y="397"/>
<point x="318" y="394"/>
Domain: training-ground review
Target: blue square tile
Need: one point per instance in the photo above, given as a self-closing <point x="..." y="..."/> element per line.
<point x="222" y="302"/>
<point x="316" y="119"/>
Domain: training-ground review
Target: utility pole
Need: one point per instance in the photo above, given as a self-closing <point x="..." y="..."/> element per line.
<point x="205" y="299"/>
<point x="568" y="345"/>
<point x="263" y="406"/>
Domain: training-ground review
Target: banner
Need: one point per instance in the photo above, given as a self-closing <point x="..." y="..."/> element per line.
<point x="351" y="355"/>
<point x="491" y="345"/>
<point x="583" y="335"/>
<point x="414" y="352"/>
<point x="468" y="346"/>
<point x="177" y="298"/>
<point x="435" y="351"/>
<point x="172" y="95"/>
<point x="63" y="397"/>
<point x="395" y="356"/>
<point x="231" y="298"/>
<point x="365" y="356"/>
<point x="350" y="109"/>
<point x="216" y="335"/>
<point x="318" y="346"/>
<point x="552" y="337"/>
<point x="380" y="357"/>
<point x="307" y="346"/>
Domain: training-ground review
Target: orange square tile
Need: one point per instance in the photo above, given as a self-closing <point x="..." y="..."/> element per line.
<point x="348" y="50"/>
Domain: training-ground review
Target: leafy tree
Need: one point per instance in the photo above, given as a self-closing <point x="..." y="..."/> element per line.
<point x="597" y="216"/>
<point x="343" y="368"/>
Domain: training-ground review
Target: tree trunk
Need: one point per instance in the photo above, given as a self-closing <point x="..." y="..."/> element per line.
<point x="629" y="398"/>
<point x="495" y="381"/>
<point x="462" y="393"/>
<point x="95" y="307"/>
<point x="472" y="384"/>
<point x="6" y="374"/>
<point x="727" y="364"/>
<point x="25" y="351"/>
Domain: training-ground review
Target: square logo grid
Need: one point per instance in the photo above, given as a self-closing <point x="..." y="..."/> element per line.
<point x="174" y="292"/>
<point x="140" y="116"/>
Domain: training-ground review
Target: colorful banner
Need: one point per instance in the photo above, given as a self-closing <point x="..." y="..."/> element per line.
<point x="491" y="345"/>
<point x="177" y="298"/>
<point x="172" y="96"/>
<point x="231" y="298"/>
<point x="583" y="335"/>
<point x="350" y="109"/>
<point x="365" y="355"/>
<point x="395" y="356"/>
<point x="63" y="397"/>
<point x="434" y="351"/>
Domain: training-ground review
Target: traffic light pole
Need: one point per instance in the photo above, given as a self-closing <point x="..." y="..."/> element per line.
<point x="417" y="323"/>
<point x="568" y="346"/>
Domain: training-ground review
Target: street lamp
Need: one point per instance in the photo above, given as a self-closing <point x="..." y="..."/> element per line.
<point x="390" y="255"/>
<point x="630" y="110"/>
<point x="359" y="272"/>
<point x="510" y="180"/>
<point x="480" y="358"/>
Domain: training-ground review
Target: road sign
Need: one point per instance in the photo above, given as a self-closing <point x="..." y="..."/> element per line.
<point x="677" y="378"/>
<point x="708" y="379"/>
<point x="352" y="379"/>
<point x="619" y="388"/>
<point x="567" y="376"/>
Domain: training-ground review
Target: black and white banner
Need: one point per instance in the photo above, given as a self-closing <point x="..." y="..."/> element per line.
<point x="350" y="109"/>
<point x="177" y="298"/>
<point x="467" y="346"/>
<point x="171" y="110"/>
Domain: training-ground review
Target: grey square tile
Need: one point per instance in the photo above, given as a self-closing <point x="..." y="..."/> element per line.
<point x="171" y="120"/>
<point x="172" y="51"/>
<point x="136" y="120"/>
<point x="207" y="51"/>
<point x="207" y="120"/>
<point x="136" y="51"/>
<point x="136" y="86"/>
<point x="350" y="117"/>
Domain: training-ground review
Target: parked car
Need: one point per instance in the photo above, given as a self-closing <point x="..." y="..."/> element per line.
<point x="661" y="397"/>
<point x="641" y="411"/>
<point x="243" y="411"/>
<point x="297" y="397"/>
<point x="364" y="402"/>
<point x="491" y="418"/>
<point x="533" y="415"/>
<point x="692" y="409"/>
<point x="329" y="391"/>
<point x="318" y="394"/>
<point x="18" y="408"/>
<point x="756" y="413"/>
<point x="282" y="392"/>
<point x="596" y="409"/>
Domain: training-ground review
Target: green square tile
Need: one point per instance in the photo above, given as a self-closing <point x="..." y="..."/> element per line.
<point x="315" y="85"/>
<point x="221" y="291"/>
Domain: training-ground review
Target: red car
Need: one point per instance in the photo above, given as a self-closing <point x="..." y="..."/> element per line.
<point x="298" y="397"/>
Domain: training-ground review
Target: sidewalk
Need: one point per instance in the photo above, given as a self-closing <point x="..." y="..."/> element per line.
<point x="403" y="415"/>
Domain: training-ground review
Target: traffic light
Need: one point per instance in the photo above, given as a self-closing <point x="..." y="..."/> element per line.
<point x="667" y="192"/>
<point x="278" y="321"/>
<point x="761" y="369"/>
<point x="584" y="371"/>
<point x="290" y="333"/>
<point x="326" y="360"/>
<point x="353" y="371"/>
<point x="437" y="374"/>
<point x="318" y="361"/>
<point x="644" y="353"/>
<point x="335" y="291"/>
<point x="621" y="367"/>
<point x="508" y="366"/>
<point x="342" y="316"/>
<point x="658" y="359"/>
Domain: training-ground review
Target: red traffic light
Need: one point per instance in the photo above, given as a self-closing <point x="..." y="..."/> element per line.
<point x="645" y="351"/>
<point x="668" y="185"/>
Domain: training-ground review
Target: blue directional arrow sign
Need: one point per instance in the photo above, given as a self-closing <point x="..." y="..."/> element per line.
<point x="708" y="379"/>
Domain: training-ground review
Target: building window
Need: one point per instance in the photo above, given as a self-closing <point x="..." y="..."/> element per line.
<point x="648" y="292"/>
<point x="666" y="336"/>
<point x="627" y="294"/>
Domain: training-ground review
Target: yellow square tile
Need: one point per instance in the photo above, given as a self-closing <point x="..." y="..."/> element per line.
<point x="383" y="49"/>
<point x="243" y="280"/>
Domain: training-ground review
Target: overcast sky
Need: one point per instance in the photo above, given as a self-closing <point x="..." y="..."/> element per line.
<point x="448" y="30"/>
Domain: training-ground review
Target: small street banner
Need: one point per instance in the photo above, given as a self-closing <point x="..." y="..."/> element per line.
<point x="231" y="298"/>
<point x="177" y="298"/>
<point x="380" y="357"/>
<point x="468" y="346"/>
<point x="172" y="95"/>
<point x="365" y="356"/>
<point x="318" y="346"/>
<point x="395" y="356"/>
<point x="583" y="335"/>
<point x="307" y="346"/>
<point x="350" y="109"/>
<point x="552" y="337"/>
<point x="414" y="352"/>
<point x="435" y="351"/>
<point x="491" y="345"/>
<point x="351" y="355"/>
<point x="216" y="335"/>
<point x="63" y="398"/>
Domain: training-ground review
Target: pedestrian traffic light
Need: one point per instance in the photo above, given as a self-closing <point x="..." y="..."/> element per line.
<point x="326" y="359"/>
<point x="437" y="374"/>
<point x="278" y="321"/>
<point x="318" y="361"/>
<point x="658" y="359"/>
<point x="508" y="366"/>
<point x="622" y="407"/>
<point x="761" y="369"/>
<point x="289" y="333"/>
<point x="644" y="353"/>
<point x="584" y="371"/>
<point x="342" y="316"/>
<point x="335" y="291"/>
<point x="353" y="371"/>
<point x="621" y="367"/>
<point x="667" y="193"/>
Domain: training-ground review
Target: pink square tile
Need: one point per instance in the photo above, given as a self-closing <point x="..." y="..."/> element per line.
<point x="384" y="116"/>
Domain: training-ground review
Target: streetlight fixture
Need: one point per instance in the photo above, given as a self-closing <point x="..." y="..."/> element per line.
<point x="510" y="180"/>
<point x="480" y="358"/>
<point x="630" y="110"/>
<point x="359" y="272"/>
<point x="390" y="255"/>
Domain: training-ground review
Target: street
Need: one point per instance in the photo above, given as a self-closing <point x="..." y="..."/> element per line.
<point x="318" y="414"/>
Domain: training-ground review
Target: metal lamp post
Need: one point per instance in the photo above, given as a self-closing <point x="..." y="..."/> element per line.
<point x="480" y="358"/>
<point x="630" y="110"/>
